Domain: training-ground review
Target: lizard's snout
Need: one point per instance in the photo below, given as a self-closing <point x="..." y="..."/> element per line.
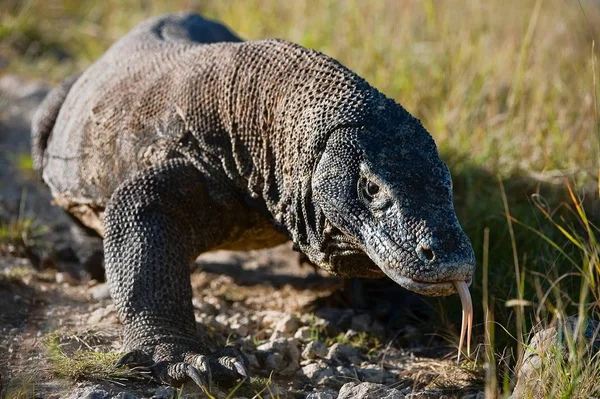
<point x="433" y="265"/>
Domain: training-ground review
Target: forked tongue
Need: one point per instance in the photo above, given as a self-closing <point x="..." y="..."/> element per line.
<point x="467" y="317"/>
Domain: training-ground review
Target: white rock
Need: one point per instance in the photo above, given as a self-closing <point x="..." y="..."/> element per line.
<point x="368" y="390"/>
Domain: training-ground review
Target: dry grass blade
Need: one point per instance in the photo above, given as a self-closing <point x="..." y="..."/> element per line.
<point x="467" y="317"/>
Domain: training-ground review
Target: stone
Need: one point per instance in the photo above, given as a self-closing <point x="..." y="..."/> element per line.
<point x="329" y="394"/>
<point x="62" y="277"/>
<point x="288" y="348"/>
<point x="368" y="390"/>
<point x="545" y="344"/>
<point x="426" y="394"/>
<point x="289" y="324"/>
<point x="94" y="392"/>
<point x="275" y="361"/>
<point x="164" y="392"/>
<point x="105" y="314"/>
<point x="314" y="349"/>
<point x="303" y="333"/>
<point x="344" y="354"/>
<point x="315" y="371"/>
<point x="100" y="292"/>
<point x="124" y="395"/>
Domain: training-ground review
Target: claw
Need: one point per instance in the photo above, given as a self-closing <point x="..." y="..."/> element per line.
<point x="204" y="366"/>
<point x="196" y="376"/>
<point x="240" y="368"/>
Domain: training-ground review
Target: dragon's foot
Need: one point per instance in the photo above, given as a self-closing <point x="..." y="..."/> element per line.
<point x="173" y="365"/>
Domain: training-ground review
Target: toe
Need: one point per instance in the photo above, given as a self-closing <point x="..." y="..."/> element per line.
<point x="229" y="363"/>
<point x="176" y="374"/>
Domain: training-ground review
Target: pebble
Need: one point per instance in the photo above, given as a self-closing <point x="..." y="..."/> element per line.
<point x="289" y="324"/>
<point x="368" y="390"/>
<point x="124" y="395"/>
<point x="344" y="354"/>
<point x="316" y="371"/>
<point x="93" y="392"/>
<point x="165" y="392"/>
<point x="99" y="292"/>
<point x="426" y="394"/>
<point x="329" y="394"/>
<point x="303" y="333"/>
<point x="314" y="349"/>
<point x="288" y="348"/>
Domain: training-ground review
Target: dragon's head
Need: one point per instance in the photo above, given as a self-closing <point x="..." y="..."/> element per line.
<point x="387" y="194"/>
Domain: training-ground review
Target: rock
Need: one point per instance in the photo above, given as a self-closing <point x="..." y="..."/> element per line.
<point x="275" y="361"/>
<point x="343" y="371"/>
<point x="124" y="395"/>
<point x="303" y="334"/>
<point x="314" y="349"/>
<point x="94" y="392"/>
<point x="288" y="348"/>
<point x="368" y="390"/>
<point x="544" y="345"/>
<point x="344" y="354"/>
<point x="204" y="307"/>
<point x="222" y="319"/>
<point x="288" y="324"/>
<point x="426" y="394"/>
<point x="100" y="292"/>
<point x="103" y="315"/>
<point x="62" y="277"/>
<point x="165" y="392"/>
<point x="329" y="394"/>
<point x="315" y="371"/>
<point x="239" y="324"/>
<point x="279" y="335"/>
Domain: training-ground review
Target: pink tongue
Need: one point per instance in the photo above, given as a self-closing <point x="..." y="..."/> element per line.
<point x="467" y="317"/>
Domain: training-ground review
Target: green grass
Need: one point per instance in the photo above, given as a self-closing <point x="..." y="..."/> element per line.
<point x="507" y="88"/>
<point x="85" y="363"/>
<point x="21" y="234"/>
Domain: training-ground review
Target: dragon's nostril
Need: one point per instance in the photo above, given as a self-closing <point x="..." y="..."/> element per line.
<point x="426" y="252"/>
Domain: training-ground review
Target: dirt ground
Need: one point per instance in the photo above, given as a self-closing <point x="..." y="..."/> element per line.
<point x="266" y="302"/>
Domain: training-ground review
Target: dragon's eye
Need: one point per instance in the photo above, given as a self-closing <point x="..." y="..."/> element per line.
<point x="370" y="190"/>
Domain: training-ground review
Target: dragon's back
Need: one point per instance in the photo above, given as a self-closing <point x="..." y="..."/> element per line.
<point x="123" y="114"/>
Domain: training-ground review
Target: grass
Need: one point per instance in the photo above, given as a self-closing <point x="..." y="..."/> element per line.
<point x="21" y="234"/>
<point x="568" y="366"/>
<point x="507" y="88"/>
<point x="85" y="363"/>
<point x="76" y="357"/>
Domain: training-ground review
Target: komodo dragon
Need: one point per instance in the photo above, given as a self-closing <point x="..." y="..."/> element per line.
<point x="183" y="138"/>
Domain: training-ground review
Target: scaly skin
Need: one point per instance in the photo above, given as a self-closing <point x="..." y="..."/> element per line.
<point x="183" y="139"/>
